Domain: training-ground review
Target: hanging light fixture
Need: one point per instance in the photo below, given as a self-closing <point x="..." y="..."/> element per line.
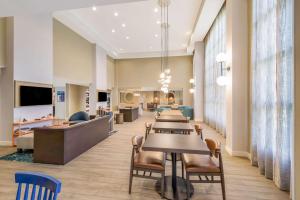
<point x="165" y="77"/>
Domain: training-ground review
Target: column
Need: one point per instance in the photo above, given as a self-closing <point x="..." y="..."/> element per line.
<point x="296" y="139"/>
<point x="237" y="93"/>
<point x="198" y="73"/>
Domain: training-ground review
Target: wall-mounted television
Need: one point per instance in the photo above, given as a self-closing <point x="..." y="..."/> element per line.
<point x="32" y="96"/>
<point x="102" y="96"/>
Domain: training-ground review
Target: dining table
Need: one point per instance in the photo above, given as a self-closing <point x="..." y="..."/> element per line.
<point x="171" y="118"/>
<point x="175" y="186"/>
<point x="172" y="127"/>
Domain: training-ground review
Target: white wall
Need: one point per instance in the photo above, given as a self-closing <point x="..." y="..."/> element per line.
<point x="33" y="57"/>
<point x="101" y="69"/>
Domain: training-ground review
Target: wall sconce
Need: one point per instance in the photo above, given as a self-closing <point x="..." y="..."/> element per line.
<point x="192" y="89"/>
<point x="222" y="80"/>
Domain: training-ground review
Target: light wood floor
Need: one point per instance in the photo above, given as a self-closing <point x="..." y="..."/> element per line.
<point x="102" y="173"/>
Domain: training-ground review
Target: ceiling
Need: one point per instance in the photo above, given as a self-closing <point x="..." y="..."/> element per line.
<point x="17" y="7"/>
<point x="141" y="35"/>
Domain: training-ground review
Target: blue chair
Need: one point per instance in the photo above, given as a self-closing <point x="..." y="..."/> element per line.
<point x="50" y="185"/>
<point x="79" y="117"/>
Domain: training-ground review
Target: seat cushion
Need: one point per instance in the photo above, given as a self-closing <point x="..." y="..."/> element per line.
<point x="25" y="141"/>
<point x="149" y="160"/>
<point x="200" y="163"/>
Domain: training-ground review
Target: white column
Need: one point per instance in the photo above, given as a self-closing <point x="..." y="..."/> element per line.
<point x="198" y="73"/>
<point x="99" y="79"/>
<point x="296" y="139"/>
<point x="237" y="142"/>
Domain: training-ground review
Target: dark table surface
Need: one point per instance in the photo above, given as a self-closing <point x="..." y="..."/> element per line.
<point x="171" y="118"/>
<point x="172" y="126"/>
<point x="175" y="143"/>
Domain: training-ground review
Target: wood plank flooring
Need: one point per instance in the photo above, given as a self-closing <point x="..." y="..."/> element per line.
<point x="102" y="173"/>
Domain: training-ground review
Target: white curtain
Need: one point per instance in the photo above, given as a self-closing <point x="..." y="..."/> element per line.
<point x="272" y="89"/>
<point x="214" y="95"/>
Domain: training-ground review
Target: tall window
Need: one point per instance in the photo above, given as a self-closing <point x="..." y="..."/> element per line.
<point x="214" y="95"/>
<point x="272" y="88"/>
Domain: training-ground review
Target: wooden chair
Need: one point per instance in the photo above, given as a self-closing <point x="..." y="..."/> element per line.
<point x="50" y="185"/>
<point x="146" y="161"/>
<point x="199" y="130"/>
<point x="205" y="168"/>
<point x="148" y="129"/>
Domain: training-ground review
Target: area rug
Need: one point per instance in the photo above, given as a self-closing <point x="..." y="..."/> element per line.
<point x="26" y="156"/>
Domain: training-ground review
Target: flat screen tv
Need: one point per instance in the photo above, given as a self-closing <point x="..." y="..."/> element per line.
<point x="32" y="96"/>
<point x="102" y="96"/>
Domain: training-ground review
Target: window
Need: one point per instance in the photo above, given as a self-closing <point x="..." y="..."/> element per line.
<point x="272" y="88"/>
<point x="214" y="95"/>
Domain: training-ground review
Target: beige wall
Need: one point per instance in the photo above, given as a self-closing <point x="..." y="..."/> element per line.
<point x="110" y="72"/>
<point x="296" y="160"/>
<point x="2" y="41"/>
<point x="7" y="89"/>
<point x="144" y="72"/>
<point x="73" y="56"/>
<point x="75" y="98"/>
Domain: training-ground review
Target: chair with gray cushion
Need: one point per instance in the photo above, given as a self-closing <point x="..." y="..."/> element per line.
<point x="79" y="117"/>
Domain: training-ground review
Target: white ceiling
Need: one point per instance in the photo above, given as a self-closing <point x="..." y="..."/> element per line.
<point x="141" y="26"/>
<point x="21" y="7"/>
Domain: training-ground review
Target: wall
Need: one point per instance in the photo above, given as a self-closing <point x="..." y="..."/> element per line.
<point x="2" y="41"/>
<point x="7" y="88"/>
<point x="75" y="98"/>
<point x="296" y="139"/>
<point x="33" y="57"/>
<point x="144" y="72"/>
<point x="73" y="56"/>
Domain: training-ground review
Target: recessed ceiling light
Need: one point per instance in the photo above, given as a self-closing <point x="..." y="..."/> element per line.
<point x="113" y="30"/>
<point x="156" y="35"/>
<point x="116" y="14"/>
<point x="123" y="25"/>
<point x="158" y="22"/>
<point x="127" y="37"/>
<point x="156" y="10"/>
<point x="94" y="8"/>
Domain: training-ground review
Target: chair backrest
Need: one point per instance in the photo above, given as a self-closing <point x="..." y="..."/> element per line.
<point x="80" y="116"/>
<point x="47" y="186"/>
<point x="137" y="142"/>
<point x="213" y="147"/>
<point x="198" y="128"/>
<point x="148" y="128"/>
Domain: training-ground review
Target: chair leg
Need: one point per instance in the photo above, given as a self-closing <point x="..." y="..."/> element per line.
<point x="182" y="168"/>
<point x="187" y="185"/>
<point x="130" y="180"/>
<point x="223" y="187"/>
<point x="162" y="185"/>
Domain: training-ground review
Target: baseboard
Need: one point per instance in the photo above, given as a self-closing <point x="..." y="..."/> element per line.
<point x="5" y="143"/>
<point x="243" y="154"/>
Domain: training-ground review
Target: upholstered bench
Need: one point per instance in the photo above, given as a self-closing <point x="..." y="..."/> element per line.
<point x="25" y="142"/>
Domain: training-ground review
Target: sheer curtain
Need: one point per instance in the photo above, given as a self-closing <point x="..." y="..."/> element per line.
<point x="214" y="95"/>
<point x="272" y="89"/>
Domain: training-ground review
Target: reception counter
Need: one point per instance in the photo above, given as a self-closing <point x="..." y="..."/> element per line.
<point x="59" y="145"/>
<point x="130" y="113"/>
